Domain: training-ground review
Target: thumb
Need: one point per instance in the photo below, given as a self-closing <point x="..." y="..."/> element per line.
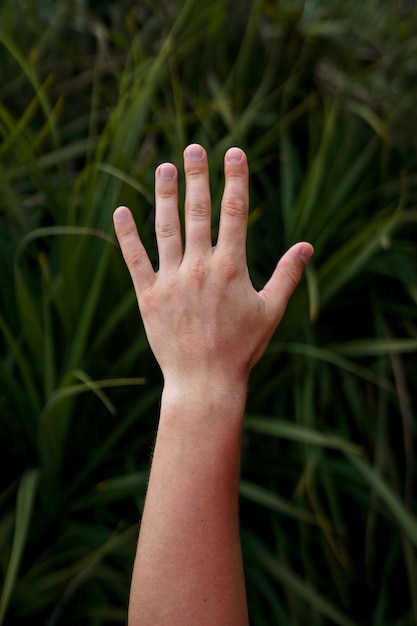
<point x="286" y="276"/>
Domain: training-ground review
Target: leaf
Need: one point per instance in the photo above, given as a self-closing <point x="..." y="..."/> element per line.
<point x="24" y="505"/>
<point x="269" y="499"/>
<point x="406" y="520"/>
<point x="288" y="578"/>
<point x="302" y="434"/>
<point x="375" y="347"/>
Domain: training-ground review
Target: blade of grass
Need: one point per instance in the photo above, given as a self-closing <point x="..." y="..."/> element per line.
<point x="302" y="434"/>
<point x="267" y="498"/>
<point x="89" y="384"/>
<point x="30" y="72"/>
<point x="328" y="356"/>
<point x="288" y="578"/>
<point x="406" y="520"/>
<point x="24" y="505"/>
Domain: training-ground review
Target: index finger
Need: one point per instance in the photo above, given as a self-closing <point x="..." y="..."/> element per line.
<point x="235" y="204"/>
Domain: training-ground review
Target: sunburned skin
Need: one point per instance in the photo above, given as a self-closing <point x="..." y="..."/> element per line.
<point x="207" y="327"/>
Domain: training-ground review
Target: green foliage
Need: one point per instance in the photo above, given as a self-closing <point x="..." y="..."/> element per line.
<point x="321" y="95"/>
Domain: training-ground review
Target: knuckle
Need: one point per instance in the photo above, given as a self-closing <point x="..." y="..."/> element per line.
<point x="194" y="169"/>
<point x="199" y="208"/>
<point x="166" y="229"/>
<point x="197" y="268"/>
<point x="235" y="206"/>
<point x="293" y="276"/>
<point x="148" y="303"/>
<point x="166" y="192"/>
<point x="230" y="269"/>
<point x="134" y="259"/>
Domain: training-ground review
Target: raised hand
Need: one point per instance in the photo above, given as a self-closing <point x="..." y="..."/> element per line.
<point x="201" y="313"/>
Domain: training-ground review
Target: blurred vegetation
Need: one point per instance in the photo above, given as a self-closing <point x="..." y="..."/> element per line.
<point x="321" y="95"/>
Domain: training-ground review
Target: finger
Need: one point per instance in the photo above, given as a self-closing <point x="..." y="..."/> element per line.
<point x="235" y="205"/>
<point x="167" y="223"/>
<point x="134" y="253"/>
<point x="197" y="200"/>
<point x="285" y="278"/>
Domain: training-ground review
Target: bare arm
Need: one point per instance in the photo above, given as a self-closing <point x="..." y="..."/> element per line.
<point x="207" y="327"/>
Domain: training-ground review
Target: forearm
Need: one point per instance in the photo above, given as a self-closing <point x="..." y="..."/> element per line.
<point x="188" y="567"/>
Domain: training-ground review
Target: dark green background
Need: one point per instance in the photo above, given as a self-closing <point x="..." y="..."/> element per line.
<point x="322" y="97"/>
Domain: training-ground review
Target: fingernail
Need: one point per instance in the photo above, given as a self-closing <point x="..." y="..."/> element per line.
<point x="305" y="254"/>
<point x="234" y="155"/>
<point x="121" y="214"/>
<point x="167" y="171"/>
<point x="194" y="152"/>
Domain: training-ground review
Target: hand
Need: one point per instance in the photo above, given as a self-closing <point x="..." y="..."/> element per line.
<point x="203" y="318"/>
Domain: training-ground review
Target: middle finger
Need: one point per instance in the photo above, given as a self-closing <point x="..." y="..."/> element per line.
<point x="197" y="200"/>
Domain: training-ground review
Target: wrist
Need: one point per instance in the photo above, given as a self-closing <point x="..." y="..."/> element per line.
<point x="205" y="399"/>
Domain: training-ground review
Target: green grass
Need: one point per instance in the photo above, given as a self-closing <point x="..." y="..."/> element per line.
<point x="321" y="95"/>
